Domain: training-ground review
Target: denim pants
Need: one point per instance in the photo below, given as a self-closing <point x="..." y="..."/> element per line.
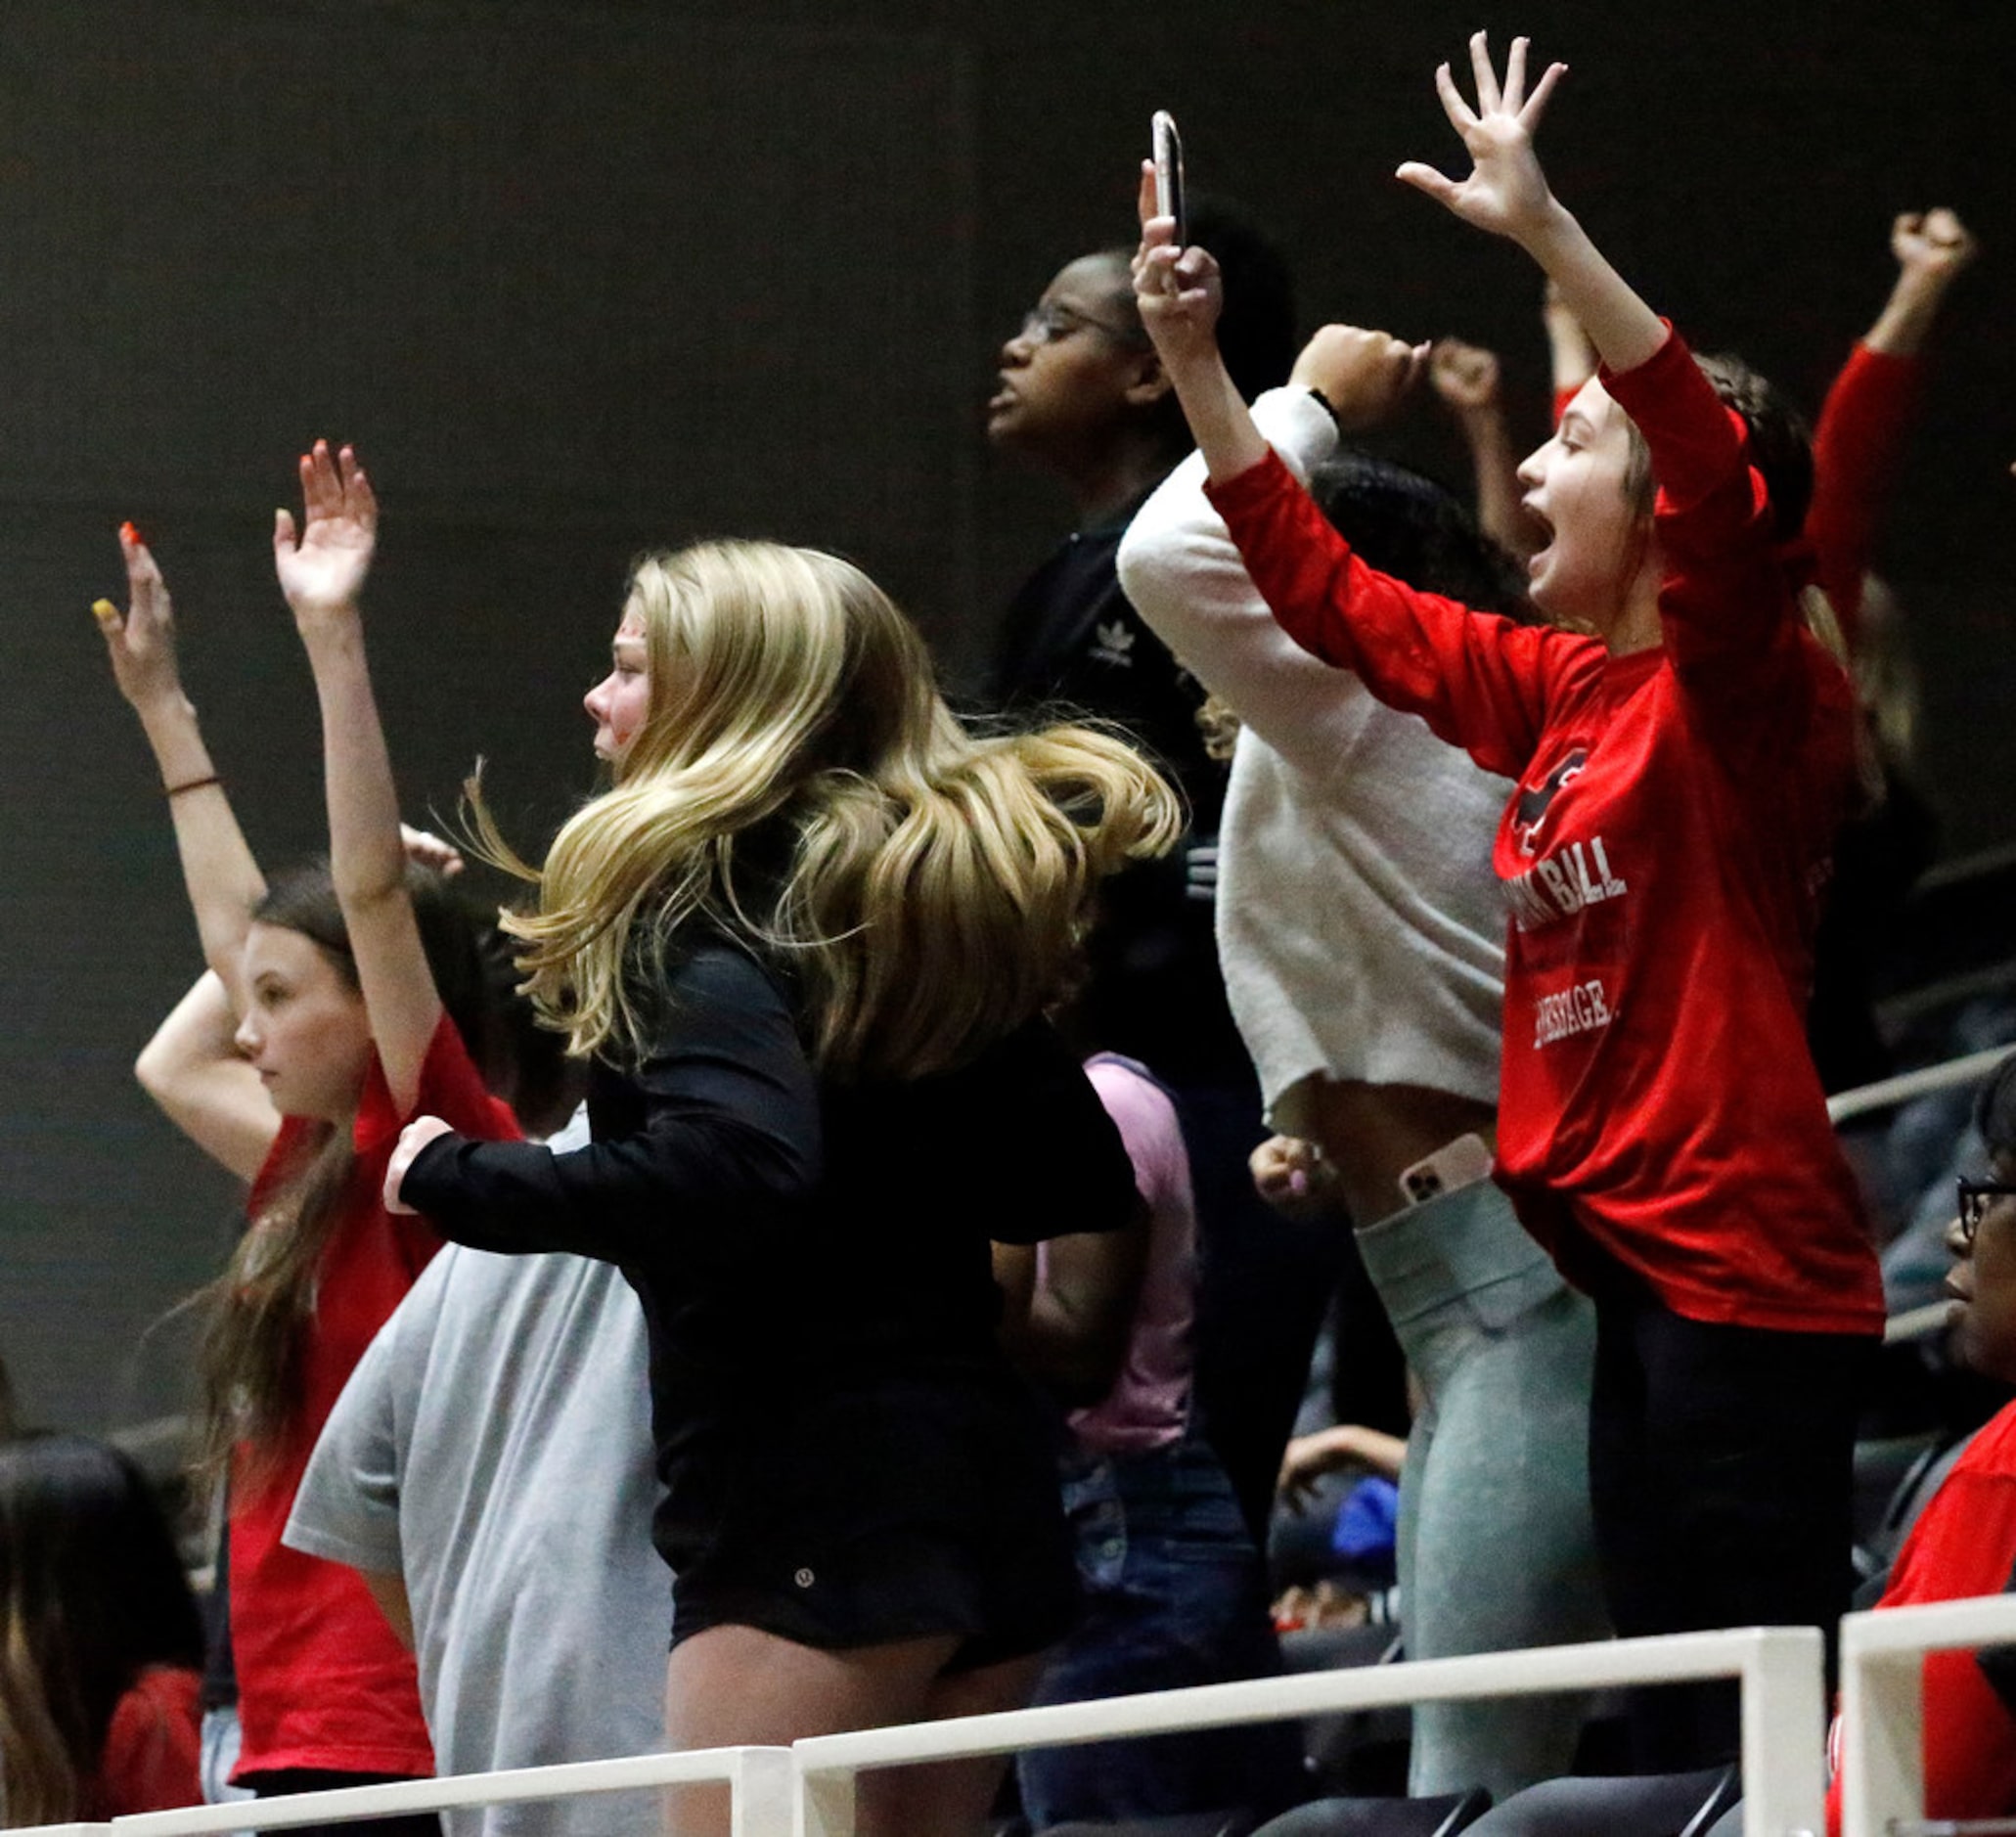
<point x="1496" y="1549"/>
<point x="1175" y="1594"/>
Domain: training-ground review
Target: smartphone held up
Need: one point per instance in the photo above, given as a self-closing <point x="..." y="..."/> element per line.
<point x="1168" y="157"/>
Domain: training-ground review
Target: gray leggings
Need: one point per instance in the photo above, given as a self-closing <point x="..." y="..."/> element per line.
<point x="1495" y="1547"/>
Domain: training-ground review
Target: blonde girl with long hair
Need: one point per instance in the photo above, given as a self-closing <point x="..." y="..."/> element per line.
<point x="807" y="939"/>
<point x="336" y="1003"/>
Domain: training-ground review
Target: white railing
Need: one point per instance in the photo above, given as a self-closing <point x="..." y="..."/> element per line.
<point x="1882" y="1703"/>
<point x="1779" y="1669"/>
<point x="1887" y="1092"/>
<point x="807" y="1790"/>
<point x="761" y="1784"/>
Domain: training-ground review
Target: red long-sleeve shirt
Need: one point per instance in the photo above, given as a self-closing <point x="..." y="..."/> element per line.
<point x="1662" y="859"/>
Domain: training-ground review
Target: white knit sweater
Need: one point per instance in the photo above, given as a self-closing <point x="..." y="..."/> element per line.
<point x="1359" y="928"/>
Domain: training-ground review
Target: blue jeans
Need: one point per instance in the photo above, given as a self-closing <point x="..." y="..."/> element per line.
<point x="1174" y="1596"/>
<point x="1496" y="1549"/>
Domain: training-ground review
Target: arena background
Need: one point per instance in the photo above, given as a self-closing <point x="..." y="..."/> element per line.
<point x="582" y="278"/>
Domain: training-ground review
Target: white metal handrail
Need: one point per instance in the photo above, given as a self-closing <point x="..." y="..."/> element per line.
<point x="760" y="1782"/>
<point x="1779" y="1669"/>
<point x="1882" y="1702"/>
<point x="1888" y="1093"/>
<point x="807" y="1790"/>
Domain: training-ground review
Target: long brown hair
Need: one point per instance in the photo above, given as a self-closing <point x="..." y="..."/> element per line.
<point x="1780" y="443"/>
<point x="91" y="1594"/>
<point x="799" y="783"/>
<point x="257" y="1314"/>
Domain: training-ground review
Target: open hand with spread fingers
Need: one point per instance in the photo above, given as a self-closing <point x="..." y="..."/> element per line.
<point x="323" y="569"/>
<point x="1506" y="191"/>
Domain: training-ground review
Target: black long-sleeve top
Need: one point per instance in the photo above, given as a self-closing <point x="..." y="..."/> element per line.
<point x="791" y="1241"/>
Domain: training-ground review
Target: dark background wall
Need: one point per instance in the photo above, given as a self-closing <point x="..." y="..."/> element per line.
<point x="587" y="277"/>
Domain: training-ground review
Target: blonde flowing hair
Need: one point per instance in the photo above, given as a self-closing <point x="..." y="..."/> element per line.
<point x="799" y="782"/>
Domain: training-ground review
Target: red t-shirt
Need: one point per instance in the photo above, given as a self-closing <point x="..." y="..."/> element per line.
<point x="1856" y="450"/>
<point x="321" y="1682"/>
<point x="1662" y="857"/>
<point x="1963" y="1545"/>
<point x="153" y="1747"/>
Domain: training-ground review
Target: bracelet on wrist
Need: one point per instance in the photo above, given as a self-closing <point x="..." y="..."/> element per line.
<point x="190" y="785"/>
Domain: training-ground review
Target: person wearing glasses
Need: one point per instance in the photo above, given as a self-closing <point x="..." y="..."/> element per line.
<point x="1081" y="398"/>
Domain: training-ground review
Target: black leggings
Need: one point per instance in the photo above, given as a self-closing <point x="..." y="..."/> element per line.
<point x="1721" y="1479"/>
<point x="315" y="1779"/>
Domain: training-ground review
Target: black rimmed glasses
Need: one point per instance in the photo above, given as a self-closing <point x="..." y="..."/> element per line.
<point x="1976" y="1197"/>
<point x="1048" y="323"/>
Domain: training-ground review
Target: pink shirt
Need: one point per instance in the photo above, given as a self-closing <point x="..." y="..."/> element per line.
<point x="1148" y="1405"/>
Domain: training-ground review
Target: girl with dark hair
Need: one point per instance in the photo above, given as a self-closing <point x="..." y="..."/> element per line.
<point x="1083" y="396"/>
<point x="99" y="1643"/>
<point x="337" y="1002"/>
<point x="1680" y="773"/>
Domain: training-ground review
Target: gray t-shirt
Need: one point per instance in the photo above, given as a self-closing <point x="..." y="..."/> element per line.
<point x="493" y="1447"/>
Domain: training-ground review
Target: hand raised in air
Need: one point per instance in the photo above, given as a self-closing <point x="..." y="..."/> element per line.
<point x="1932" y="245"/>
<point x="1506" y="191"/>
<point x="1363" y="376"/>
<point x="1466" y="376"/>
<point x="141" y="642"/>
<point x="1179" y="290"/>
<point x="323" y="569"/>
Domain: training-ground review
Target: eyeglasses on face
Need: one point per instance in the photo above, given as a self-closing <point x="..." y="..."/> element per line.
<point x="1049" y="322"/>
<point x="1976" y="1197"/>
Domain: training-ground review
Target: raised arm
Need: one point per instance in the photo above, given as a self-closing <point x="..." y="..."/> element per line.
<point x="1933" y="250"/>
<point x="1859" y="441"/>
<point x="1181" y="294"/>
<point x="321" y="571"/>
<point x="191" y="1066"/>
<point x="1480" y="683"/>
<point x="1719" y="590"/>
<point x="1506" y="193"/>
<point x="1182" y="572"/>
<point x="1467" y="380"/>
<point x="223" y="881"/>
<point x="1570" y="360"/>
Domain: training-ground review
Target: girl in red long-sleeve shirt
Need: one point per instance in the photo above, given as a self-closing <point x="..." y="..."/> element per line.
<point x="1681" y="772"/>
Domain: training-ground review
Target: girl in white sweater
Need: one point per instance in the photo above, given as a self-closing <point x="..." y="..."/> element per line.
<point x="1361" y="934"/>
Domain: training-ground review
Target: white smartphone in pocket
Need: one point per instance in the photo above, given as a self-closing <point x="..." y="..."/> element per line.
<point x="1462" y="1162"/>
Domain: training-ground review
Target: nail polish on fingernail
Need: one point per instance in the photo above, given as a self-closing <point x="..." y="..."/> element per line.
<point x="1298" y="1183"/>
<point x="127" y="533"/>
<point x="105" y="613"/>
